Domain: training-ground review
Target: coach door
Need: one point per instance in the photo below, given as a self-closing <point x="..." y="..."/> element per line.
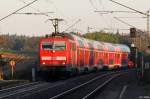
<point x="72" y="54"/>
<point x="117" y="58"/>
<point x="91" y="57"/>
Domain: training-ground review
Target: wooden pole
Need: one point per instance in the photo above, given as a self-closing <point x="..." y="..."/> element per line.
<point x="1" y="73"/>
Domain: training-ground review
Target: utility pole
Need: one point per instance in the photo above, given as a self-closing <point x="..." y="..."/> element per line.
<point x="55" y="23"/>
<point x="148" y="22"/>
<point x="88" y="29"/>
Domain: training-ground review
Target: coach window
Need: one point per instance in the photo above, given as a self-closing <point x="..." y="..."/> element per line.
<point x="124" y="61"/>
<point x="111" y="62"/>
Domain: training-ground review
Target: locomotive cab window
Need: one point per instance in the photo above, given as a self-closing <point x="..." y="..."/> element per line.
<point x="47" y="45"/>
<point x="59" y="45"/>
<point x="54" y="45"/>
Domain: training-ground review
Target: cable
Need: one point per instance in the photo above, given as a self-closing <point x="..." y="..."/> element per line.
<point x="72" y="25"/>
<point x="18" y="10"/>
<point x="60" y="12"/>
<point x="99" y="13"/>
<point x="101" y="3"/>
<point x="131" y="17"/>
<point x="128" y="7"/>
<point x="92" y="4"/>
<point x="115" y="11"/>
<point x="36" y="9"/>
<point x="127" y="23"/>
<point x="30" y="6"/>
<point x="30" y="13"/>
<point x="124" y="22"/>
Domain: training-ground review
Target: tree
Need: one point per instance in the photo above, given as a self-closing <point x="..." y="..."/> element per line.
<point x="102" y="36"/>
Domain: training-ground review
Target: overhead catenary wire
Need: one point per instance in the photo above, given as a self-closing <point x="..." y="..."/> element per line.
<point x="132" y="17"/>
<point x="126" y="23"/>
<point x="92" y="4"/>
<point x="58" y="10"/>
<point x="29" y="6"/>
<point x="116" y="11"/>
<point x="147" y="13"/>
<point x="72" y="25"/>
<point x="128" y="7"/>
<point x="101" y="14"/>
<point x="18" y="10"/>
<point x="133" y="11"/>
<point x="36" y="9"/>
<point x="100" y="1"/>
<point x="115" y="29"/>
<point x="30" y="13"/>
<point x="61" y="13"/>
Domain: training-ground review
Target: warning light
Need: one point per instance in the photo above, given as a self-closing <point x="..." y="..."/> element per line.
<point x="12" y="63"/>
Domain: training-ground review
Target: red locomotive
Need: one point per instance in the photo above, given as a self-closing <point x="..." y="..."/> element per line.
<point x="71" y="53"/>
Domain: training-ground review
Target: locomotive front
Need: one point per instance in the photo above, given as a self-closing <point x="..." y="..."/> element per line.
<point x="53" y="54"/>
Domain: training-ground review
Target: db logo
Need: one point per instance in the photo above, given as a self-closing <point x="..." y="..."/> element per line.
<point x="12" y="63"/>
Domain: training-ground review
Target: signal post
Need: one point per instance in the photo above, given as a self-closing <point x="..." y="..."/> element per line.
<point x="12" y="64"/>
<point x="1" y="68"/>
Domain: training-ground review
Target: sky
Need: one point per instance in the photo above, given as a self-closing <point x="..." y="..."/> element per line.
<point x="71" y="11"/>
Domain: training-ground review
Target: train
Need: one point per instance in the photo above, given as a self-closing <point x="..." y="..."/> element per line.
<point x="66" y="52"/>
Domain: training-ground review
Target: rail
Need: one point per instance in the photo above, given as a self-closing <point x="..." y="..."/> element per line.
<point x="106" y="81"/>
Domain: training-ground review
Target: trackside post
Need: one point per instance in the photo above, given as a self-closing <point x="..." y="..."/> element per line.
<point x="33" y="74"/>
<point x="12" y="63"/>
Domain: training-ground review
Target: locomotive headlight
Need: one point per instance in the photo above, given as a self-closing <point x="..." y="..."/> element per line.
<point x="44" y="63"/>
<point x="63" y="63"/>
<point x="53" y="51"/>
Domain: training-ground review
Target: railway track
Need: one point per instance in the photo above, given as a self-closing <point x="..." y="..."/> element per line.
<point x="18" y="87"/>
<point x="10" y="83"/>
<point x="88" y="89"/>
<point x="81" y="87"/>
<point x="29" y="89"/>
<point x="18" y="91"/>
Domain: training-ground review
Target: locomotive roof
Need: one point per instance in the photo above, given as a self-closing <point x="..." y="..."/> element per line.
<point x="83" y="42"/>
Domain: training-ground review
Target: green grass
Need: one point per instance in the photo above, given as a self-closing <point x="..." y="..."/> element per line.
<point x="18" y="52"/>
<point x="7" y="51"/>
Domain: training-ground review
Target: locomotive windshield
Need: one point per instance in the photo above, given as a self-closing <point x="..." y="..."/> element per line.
<point x="54" y="45"/>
